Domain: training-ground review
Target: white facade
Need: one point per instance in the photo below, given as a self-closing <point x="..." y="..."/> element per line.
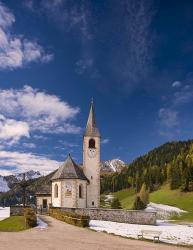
<point x="69" y="194"/>
<point x="43" y="202"/>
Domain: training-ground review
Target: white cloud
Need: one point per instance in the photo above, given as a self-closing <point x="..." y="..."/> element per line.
<point x="168" y="122"/>
<point x="29" y="145"/>
<point x="41" y="111"/>
<point x="74" y="15"/>
<point x="6" y="17"/>
<point x="23" y="162"/>
<point x="39" y="137"/>
<point x="176" y="84"/>
<point x="16" y="51"/>
<point x="87" y="66"/>
<point x="184" y="96"/>
<point x="105" y="141"/>
<point x="11" y="130"/>
<point x="137" y="53"/>
<point x="168" y="117"/>
<point x="84" y="65"/>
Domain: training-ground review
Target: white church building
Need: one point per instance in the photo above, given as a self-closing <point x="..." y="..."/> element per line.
<point x="75" y="186"/>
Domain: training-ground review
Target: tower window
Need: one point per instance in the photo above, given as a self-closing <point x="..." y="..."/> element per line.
<point x="91" y="177"/>
<point x="80" y="191"/>
<point x="92" y="203"/>
<point x="56" y="191"/>
<point x="91" y="143"/>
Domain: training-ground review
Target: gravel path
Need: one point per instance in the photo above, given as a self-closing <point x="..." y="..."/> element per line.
<point x="62" y="236"/>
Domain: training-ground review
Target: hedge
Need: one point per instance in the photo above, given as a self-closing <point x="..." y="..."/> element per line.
<point x="69" y="217"/>
<point x="30" y="217"/>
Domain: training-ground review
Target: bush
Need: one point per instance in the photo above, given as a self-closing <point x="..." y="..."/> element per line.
<point x="69" y="217"/>
<point x="116" y="204"/>
<point x="30" y="217"/>
<point x="144" y="194"/>
<point x="138" y="204"/>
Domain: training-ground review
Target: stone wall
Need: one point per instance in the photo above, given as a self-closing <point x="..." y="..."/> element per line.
<point x="17" y="210"/>
<point x="116" y="215"/>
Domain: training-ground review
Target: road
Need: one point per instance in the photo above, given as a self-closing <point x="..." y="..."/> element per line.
<point x="62" y="236"/>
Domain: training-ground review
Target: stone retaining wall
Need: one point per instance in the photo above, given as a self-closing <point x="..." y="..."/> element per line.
<point x="17" y="210"/>
<point x="116" y="215"/>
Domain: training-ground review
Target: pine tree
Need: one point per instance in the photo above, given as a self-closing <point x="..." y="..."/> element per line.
<point x="116" y="204"/>
<point x="175" y="178"/>
<point x="144" y="194"/>
<point x="138" y="204"/>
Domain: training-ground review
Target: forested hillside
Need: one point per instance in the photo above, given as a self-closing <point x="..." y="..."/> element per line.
<point x="171" y="162"/>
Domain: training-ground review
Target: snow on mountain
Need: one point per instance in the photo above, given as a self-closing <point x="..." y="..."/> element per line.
<point x="7" y="182"/>
<point x="115" y="165"/>
<point x="28" y="175"/>
<point x="3" y="185"/>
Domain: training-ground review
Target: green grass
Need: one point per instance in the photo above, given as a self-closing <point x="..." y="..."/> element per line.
<point x="163" y="196"/>
<point x="175" y="198"/>
<point x="126" y="197"/>
<point x="13" y="224"/>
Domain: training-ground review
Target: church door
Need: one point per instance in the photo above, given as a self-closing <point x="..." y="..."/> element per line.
<point x="45" y="203"/>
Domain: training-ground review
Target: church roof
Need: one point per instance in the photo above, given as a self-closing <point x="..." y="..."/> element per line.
<point x="46" y="189"/>
<point x="69" y="170"/>
<point x="91" y="127"/>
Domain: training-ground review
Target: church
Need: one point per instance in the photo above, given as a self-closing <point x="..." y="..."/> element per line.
<point x="75" y="186"/>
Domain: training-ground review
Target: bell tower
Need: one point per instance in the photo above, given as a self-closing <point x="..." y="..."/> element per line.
<point x="91" y="159"/>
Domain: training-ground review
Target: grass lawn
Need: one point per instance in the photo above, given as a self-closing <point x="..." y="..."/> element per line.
<point x="13" y="224"/>
<point x="126" y="197"/>
<point x="175" y="198"/>
<point x="163" y="196"/>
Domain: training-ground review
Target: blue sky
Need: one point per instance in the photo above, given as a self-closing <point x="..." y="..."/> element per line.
<point x="133" y="57"/>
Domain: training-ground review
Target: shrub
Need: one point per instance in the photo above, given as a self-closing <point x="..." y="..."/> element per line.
<point x="70" y="217"/>
<point x="30" y="217"/>
<point x="138" y="204"/>
<point x="144" y="194"/>
<point x="116" y="204"/>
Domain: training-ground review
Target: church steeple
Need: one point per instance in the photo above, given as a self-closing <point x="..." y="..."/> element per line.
<point x="91" y="127"/>
<point x="91" y="159"/>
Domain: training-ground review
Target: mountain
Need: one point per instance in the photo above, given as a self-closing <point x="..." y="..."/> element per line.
<point x="171" y="162"/>
<point x="3" y="185"/>
<point x="8" y="182"/>
<point x="14" y="195"/>
<point x="112" y="166"/>
<point x="29" y="175"/>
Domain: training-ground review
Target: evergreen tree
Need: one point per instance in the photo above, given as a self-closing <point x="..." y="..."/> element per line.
<point x="175" y="180"/>
<point x="138" y="204"/>
<point x="144" y="194"/>
<point x="116" y="204"/>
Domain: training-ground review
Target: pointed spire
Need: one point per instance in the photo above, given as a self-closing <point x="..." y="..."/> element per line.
<point x="91" y="128"/>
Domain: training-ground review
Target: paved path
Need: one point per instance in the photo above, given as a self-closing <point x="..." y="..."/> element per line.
<point x="62" y="236"/>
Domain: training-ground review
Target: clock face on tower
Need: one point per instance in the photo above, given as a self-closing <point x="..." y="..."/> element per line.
<point x="91" y="152"/>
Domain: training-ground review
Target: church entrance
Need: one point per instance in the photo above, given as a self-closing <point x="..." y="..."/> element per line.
<point x="45" y="203"/>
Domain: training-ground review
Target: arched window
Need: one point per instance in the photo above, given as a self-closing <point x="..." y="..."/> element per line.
<point x="56" y="191"/>
<point x="80" y="191"/>
<point x="91" y="143"/>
